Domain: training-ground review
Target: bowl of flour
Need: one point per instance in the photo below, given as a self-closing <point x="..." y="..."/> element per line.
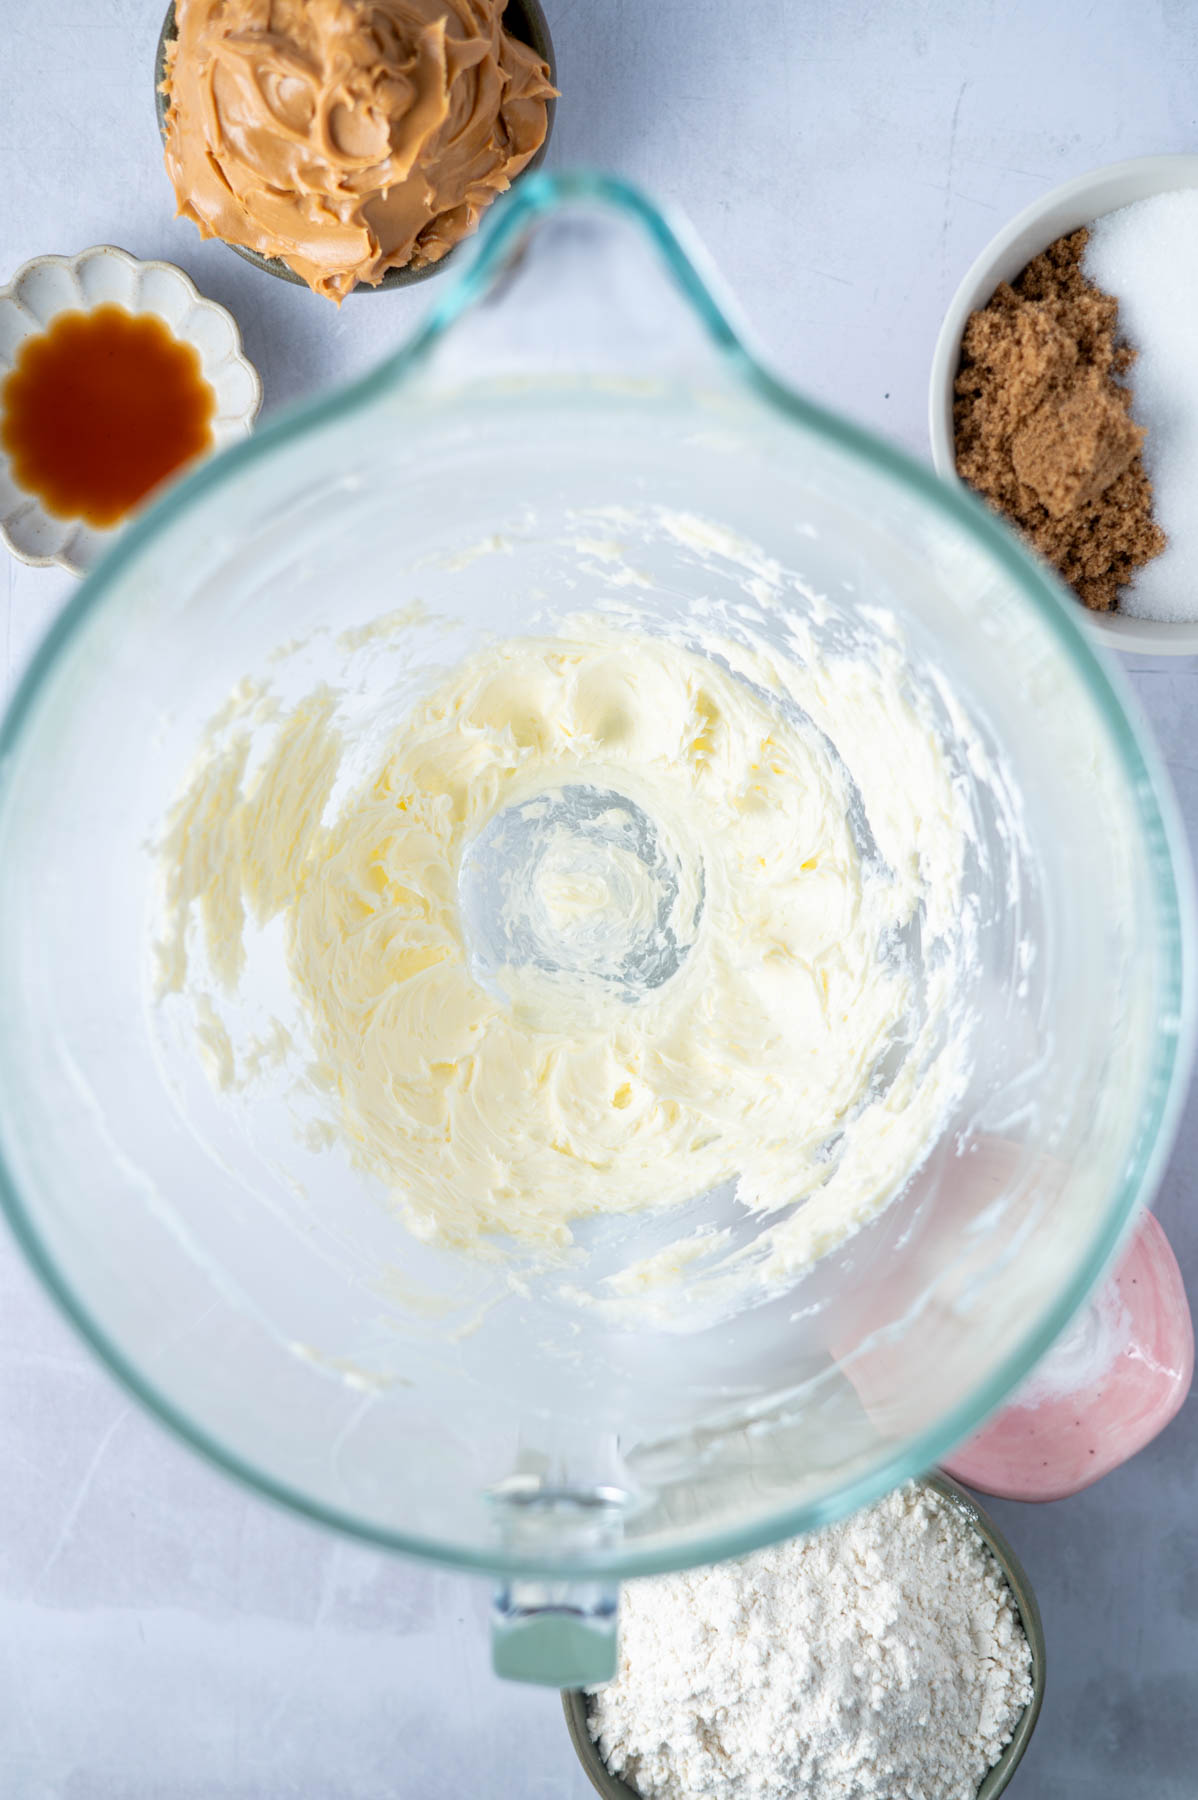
<point x="899" y="1652"/>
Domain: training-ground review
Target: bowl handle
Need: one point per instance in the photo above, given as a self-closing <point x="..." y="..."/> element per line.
<point x="578" y="272"/>
<point x="557" y="1633"/>
<point x="556" y="1624"/>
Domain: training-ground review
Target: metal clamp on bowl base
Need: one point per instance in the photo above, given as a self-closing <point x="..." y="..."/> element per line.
<point x="552" y="1629"/>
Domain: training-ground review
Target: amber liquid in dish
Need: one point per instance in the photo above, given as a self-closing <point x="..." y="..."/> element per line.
<point x="98" y="409"/>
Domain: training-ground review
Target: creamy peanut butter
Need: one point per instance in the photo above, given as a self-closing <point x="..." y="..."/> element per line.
<point x="348" y="137"/>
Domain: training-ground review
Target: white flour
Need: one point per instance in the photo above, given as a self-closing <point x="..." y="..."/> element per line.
<point x="882" y="1659"/>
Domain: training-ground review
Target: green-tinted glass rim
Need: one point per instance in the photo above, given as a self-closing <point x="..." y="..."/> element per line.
<point x="510" y="221"/>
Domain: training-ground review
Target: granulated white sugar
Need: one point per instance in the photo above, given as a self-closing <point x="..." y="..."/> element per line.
<point x="1146" y="255"/>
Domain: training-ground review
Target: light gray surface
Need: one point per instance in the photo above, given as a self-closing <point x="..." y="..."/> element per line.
<point x="162" y="1635"/>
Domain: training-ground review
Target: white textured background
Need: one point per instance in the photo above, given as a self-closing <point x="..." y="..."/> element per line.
<point x="164" y="1636"/>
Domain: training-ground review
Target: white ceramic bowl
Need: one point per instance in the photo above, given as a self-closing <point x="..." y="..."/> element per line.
<point x="1076" y="203"/>
<point x="104" y="275"/>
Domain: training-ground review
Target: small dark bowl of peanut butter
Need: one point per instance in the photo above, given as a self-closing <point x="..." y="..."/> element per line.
<point x="381" y="165"/>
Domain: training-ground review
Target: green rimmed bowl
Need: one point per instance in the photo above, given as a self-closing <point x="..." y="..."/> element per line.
<point x="525" y="19"/>
<point x="574" y="1700"/>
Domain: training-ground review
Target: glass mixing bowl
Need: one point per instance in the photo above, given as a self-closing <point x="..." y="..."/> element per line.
<point x="253" y="1291"/>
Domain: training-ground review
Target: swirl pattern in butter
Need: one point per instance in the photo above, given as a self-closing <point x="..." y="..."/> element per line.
<point x="610" y="920"/>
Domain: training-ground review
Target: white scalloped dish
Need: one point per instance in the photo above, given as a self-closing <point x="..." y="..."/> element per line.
<point x="103" y="276"/>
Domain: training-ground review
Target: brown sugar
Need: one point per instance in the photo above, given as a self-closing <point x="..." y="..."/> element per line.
<point x="1074" y="446"/>
<point x="1043" y="425"/>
